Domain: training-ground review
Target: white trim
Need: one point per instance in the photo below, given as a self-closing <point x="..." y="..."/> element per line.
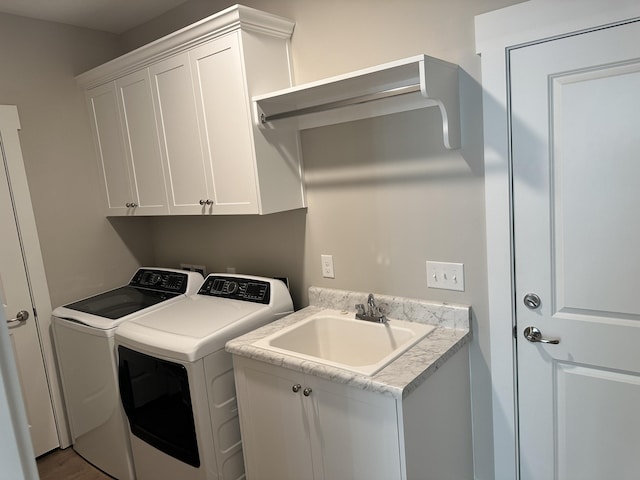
<point x="496" y="33"/>
<point x="9" y="126"/>
<point x="209" y="28"/>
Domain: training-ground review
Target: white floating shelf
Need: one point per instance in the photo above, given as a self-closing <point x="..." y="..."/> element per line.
<point x="408" y="84"/>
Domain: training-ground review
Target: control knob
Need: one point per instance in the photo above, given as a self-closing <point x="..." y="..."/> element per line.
<point x="232" y="287"/>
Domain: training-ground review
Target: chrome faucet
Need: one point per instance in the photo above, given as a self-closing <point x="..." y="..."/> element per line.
<point x="373" y="312"/>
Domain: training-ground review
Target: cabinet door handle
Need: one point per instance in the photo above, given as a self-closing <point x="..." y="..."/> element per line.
<point x="296" y="388"/>
<point x="307" y="391"/>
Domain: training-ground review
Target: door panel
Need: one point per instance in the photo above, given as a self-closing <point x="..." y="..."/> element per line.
<point x="142" y="144"/>
<point x="178" y="126"/>
<point x="595" y="132"/>
<point x="24" y="336"/>
<point x="591" y="403"/>
<point x="105" y="123"/>
<point x="274" y="424"/>
<point x="576" y="161"/>
<point x="225" y="124"/>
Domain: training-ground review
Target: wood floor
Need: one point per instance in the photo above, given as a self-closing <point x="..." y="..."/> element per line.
<point x="67" y="465"/>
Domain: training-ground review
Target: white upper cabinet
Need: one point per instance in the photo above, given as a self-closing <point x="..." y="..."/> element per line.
<point x="107" y="134"/>
<point x="186" y="120"/>
<point x="141" y="143"/>
<point x="182" y="153"/>
<point x="122" y="121"/>
<point x="224" y="114"/>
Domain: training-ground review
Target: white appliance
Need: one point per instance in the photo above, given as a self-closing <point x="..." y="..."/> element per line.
<point x="176" y="379"/>
<point x="84" y="339"/>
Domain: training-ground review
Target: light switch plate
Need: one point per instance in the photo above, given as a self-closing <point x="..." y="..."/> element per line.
<point x="447" y="276"/>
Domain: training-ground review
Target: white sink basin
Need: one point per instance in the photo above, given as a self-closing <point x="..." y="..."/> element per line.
<point x="337" y="339"/>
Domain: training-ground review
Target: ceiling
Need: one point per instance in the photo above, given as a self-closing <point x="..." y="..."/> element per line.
<point x="115" y="16"/>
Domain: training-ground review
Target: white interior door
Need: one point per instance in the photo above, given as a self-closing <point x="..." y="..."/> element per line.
<point x="24" y="335"/>
<point x="576" y="170"/>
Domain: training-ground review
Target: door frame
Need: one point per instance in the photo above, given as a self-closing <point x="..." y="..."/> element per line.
<point x="9" y="127"/>
<point x="497" y="33"/>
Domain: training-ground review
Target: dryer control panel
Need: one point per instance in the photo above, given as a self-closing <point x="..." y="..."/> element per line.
<point x="237" y="288"/>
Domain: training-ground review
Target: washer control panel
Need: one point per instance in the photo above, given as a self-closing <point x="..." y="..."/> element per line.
<point x="237" y="288"/>
<point x="160" y="280"/>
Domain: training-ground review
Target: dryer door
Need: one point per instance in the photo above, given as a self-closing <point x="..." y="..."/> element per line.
<point x="156" y="398"/>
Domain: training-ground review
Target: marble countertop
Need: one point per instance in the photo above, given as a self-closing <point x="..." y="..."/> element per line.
<point x="401" y="376"/>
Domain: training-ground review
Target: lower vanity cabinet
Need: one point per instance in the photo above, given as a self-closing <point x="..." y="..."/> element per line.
<point x="296" y="426"/>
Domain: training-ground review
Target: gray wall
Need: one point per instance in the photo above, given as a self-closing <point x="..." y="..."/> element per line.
<point x="383" y="194"/>
<point x="83" y="252"/>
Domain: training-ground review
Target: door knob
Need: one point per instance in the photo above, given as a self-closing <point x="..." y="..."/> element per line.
<point x="21" y="316"/>
<point x="532" y="301"/>
<point x="534" y="335"/>
<point x="296" y="388"/>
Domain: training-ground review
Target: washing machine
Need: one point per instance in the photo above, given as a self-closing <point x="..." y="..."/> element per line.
<point x="85" y="347"/>
<point x="176" y="379"/>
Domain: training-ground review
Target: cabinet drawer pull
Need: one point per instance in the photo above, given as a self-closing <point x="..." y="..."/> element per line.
<point x="296" y="388"/>
<point x="307" y="391"/>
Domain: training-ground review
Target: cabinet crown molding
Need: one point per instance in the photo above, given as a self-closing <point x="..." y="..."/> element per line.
<point x="236" y="17"/>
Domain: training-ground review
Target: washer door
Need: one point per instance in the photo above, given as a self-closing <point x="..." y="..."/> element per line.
<point x="156" y="398"/>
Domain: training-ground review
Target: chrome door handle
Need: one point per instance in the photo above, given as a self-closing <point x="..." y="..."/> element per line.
<point x="22" y="316"/>
<point x="534" y="335"/>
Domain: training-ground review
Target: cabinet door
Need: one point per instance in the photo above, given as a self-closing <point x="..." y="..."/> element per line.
<point x="225" y="121"/>
<point x="107" y="135"/>
<point x="177" y="121"/>
<point x="141" y="142"/>
<point x="354" y="433"/>
<point x="274" y="424"/>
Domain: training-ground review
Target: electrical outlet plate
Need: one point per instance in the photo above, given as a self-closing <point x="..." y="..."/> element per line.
<point x="447" y="276"/>
<point x="194" y="268"/>
<point x="327" y="266"/>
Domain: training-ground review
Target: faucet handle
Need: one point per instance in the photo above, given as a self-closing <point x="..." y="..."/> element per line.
<point x="360" y="309"/>
<point x="382" y="309"/>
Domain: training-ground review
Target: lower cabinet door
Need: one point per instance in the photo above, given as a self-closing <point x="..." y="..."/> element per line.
<point x="301" y="427"/>
<point x="354" y="433"/>
<point x="275" y="430"/>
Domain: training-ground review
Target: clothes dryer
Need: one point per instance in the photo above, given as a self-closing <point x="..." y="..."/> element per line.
<point x="84" y="341"/>
<point x="176" y="379"/>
